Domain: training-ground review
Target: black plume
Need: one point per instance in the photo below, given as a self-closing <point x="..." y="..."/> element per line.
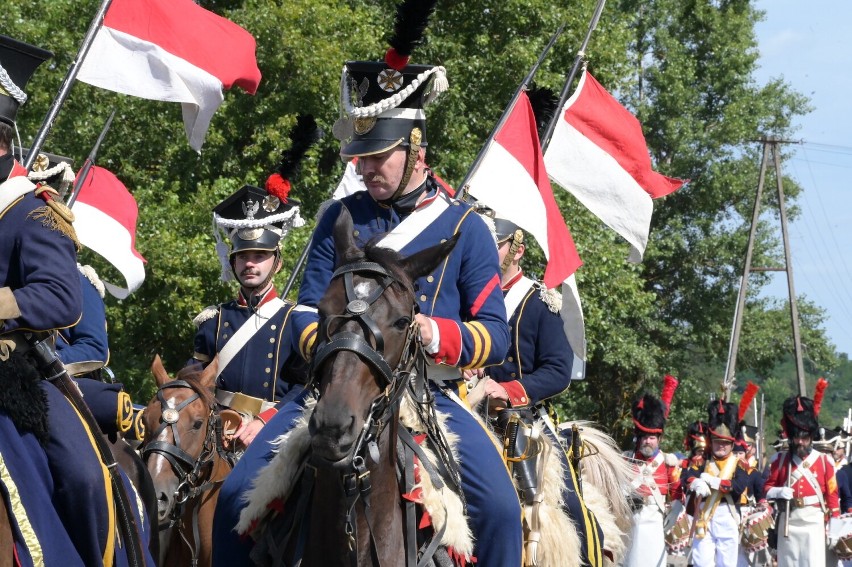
<point x="543" y="101"/>
<point x="303" y="135"/>
<point x="412" y="16"/>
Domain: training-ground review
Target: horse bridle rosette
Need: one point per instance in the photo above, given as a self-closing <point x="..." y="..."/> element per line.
<point x="393" y="381"/>
<point x="187" y="468"/>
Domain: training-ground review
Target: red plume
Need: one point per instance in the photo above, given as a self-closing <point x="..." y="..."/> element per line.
<point x="819" y="392"/>
<point x="669" y="386"/>
<point x="748" y="396"/>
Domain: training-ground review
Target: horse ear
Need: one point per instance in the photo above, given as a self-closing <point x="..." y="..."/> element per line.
<point x="345" y="246"/>
<point x="424" y="262"/>
<point x="159" y="371"/>
<point x="208" y="377"/>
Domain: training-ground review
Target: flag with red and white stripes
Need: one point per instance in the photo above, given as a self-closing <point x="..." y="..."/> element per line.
<point x="599" y="154"/>
<point x="172" y="50"/>
<point x="105" y="216"/>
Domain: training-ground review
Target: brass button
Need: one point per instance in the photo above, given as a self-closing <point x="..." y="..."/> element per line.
<point x="273" y="327"/>
<point x="513" y="375"/>
<point x="443" y="240"/>
<point x="272" y="340"/>
<point x="267" y="370"/>
<point x="510" y="359"/>
<point x="355" y="233"/>
<point x="430" y="279"/>
<point x="269" y="355"/>
<point x="225" y="336"/>
<point x="423" y="298"/>
<point x="266" y="384"/>
<point x="358" y="196"/>
<point x="523" y="399"/>
<point x="227" y="324"/>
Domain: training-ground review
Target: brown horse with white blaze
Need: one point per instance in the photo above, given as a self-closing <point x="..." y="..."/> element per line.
<point x="188" y="455"/>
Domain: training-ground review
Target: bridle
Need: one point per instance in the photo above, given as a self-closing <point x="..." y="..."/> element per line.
<point x="192" y="472"/>
<point x="356" y="478"/>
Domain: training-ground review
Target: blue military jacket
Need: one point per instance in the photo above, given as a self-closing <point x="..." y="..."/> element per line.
<point x="86" y="344"/>
<point x="462" y="295"/>
<point x="39" y="287"/>
<point x="538" y="364"/>
<point x="257" y="370"/>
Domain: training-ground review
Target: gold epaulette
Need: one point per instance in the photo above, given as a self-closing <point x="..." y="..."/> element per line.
<point x="55" y="215"/>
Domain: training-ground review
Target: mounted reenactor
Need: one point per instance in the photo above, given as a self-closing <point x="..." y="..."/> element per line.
<point x="252" y="333"/>
<point x="461" y="319"/>
<point x="61" y="498"/>
<point x="84" y="347"/>
<point x="656" y="474"/>
<point x="537" y="368"/>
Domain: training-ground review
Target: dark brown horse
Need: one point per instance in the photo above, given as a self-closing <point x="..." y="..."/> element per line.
<point x="7" y="558"/>
<point x="368" y="345"/>
<point x="187" y="454"/>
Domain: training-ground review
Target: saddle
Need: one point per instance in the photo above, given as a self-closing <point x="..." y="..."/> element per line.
<point x="441" y="525"/>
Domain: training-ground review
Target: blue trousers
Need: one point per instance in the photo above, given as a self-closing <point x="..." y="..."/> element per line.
<point x="78" y="477"/>
<point x="492" y="502"/>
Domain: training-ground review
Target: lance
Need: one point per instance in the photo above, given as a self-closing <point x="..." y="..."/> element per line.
<point x="563" y="97"/>
<point x="65" y="89"/>
<point x="506" y="112"/>
<point x="90" y="161"/>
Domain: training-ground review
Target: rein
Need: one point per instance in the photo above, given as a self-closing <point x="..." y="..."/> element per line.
<point x="356" y="481"/>
<point x="190" y="471"/>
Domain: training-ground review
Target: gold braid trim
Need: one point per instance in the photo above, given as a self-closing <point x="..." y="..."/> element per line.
<point x="56" y="216"/>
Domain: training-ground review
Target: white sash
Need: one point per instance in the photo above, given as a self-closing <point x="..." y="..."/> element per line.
<point x="12" y="189"/>
<point x="803" y="470"/>
<point x="414" y="224"/>
<point x="247" y="331"/>
<point x="515" y="295"/>
<point x="647" y="471"/>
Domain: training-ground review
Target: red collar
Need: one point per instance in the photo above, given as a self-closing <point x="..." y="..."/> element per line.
<point x="270" y="294"/>
<point x="515" y="279"/>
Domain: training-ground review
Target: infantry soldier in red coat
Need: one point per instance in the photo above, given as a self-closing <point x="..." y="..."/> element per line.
<point x="655" y="476"/>
<point x="804" y="478"/>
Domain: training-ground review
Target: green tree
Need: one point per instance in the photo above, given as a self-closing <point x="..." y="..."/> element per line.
<point x="685" y="67"/>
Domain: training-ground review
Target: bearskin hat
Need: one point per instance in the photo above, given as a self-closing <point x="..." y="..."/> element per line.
<point x="649" y="415"/>
<point x="799" y="418"/>
<point x="723" y="419"/>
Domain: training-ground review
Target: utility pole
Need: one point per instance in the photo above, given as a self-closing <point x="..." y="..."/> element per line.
<point x="770" y="145"/>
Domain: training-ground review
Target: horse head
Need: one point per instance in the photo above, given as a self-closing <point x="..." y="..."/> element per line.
<point x="368" y="339"/>
<point x="181" y="443"/>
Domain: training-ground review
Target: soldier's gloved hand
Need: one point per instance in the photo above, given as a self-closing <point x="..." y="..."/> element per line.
<point x="712" y="481"/>
<point x="780" y="493"/>
<point x="699" y="488"/>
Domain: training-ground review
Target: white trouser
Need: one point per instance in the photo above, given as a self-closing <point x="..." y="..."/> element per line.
<point x="805" y="546"/>
<point x="647" y="543"/>
<point x="720" y="546"/>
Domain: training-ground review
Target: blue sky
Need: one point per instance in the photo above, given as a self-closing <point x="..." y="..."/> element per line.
<point x="809" y="44"/>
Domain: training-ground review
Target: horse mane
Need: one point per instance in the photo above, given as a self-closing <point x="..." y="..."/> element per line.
<point x="192" y="376"/>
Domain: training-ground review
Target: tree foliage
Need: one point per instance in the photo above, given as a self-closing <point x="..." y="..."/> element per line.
<point x="685" y="67"/>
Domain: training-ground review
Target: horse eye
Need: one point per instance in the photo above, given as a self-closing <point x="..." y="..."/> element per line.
<point x="402" y="323"/>
<point x="198" y="424"/>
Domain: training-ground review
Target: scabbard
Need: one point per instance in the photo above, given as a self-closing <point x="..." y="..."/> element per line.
<point x="43" y="354"/>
